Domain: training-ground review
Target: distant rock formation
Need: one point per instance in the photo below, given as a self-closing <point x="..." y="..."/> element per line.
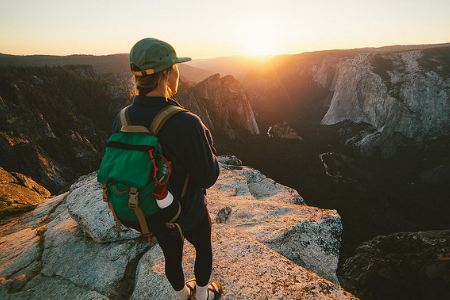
<point x="403" y="100"/>
<point x="401" y="266"/>
<point x="19" y="193"/>
<point x="222" y="104"/>
<point x="283" y="130"/>
<point x="262" y="236"/>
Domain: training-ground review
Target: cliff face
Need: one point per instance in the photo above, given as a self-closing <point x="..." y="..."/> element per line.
<point x="291" y="88"/>
<point x="395" y="94"/>
<point x="222" y="104"/>
<point x="54" y="122"/>
<point x="267" y="244"/>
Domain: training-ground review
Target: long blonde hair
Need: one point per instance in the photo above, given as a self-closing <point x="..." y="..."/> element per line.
<point x="146" y="84"/>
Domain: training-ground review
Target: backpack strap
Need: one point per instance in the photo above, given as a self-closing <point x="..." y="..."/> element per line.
<point x="133" y="203"/>
<point x="172" y="225"/>
<point x="106" y="199"/>
<point x="124" y="123"/>
<point x="130" y="128"/>
<point x="162" y="117"/>
<point x="183" y="192"/>
<point x="124" y="117"/>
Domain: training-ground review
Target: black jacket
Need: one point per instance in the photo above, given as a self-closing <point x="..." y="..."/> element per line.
<point x="188" y="144"/>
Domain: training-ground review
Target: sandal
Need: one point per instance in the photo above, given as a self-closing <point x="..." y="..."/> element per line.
<point x="214" y="290"/>
<point x="191" y="283"/>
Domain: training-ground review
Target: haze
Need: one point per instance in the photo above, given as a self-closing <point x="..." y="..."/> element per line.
<point x="206" y="29"/>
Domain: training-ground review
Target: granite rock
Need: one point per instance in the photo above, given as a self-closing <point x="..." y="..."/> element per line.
<point x="267" y="245"/>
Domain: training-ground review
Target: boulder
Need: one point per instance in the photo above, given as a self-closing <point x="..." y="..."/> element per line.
<point x="106" y="268"/>
<point x="405" y="265"/>
<point x="19" y="193"/>
<point x="85" y="205"/>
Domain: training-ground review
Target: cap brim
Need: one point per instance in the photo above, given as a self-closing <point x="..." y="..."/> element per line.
<point x="183" y="59"/>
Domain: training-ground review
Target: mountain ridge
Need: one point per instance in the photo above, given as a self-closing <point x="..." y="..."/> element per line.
<point x="104" y="64"/>
<point x="117" y="63"/>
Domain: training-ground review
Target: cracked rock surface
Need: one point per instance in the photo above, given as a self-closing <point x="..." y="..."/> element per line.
<point x="267" y="244"/>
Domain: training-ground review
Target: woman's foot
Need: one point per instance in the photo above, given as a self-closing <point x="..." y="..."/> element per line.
<point x="211" y="292"/>
<point x="188" y="291"/>
<point x="191" y="285"/>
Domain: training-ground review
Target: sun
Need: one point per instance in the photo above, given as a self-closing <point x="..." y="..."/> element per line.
<point x="261" y="38"/>
<point x="256" y="46"/>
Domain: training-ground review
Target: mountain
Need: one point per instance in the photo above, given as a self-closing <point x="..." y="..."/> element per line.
<point x="299" y="89"/>
<point x="404" y="97"/>
<point x="222" y="104"/>
<point x="230" y="65"/>
<point x="400" y="98"/>
<point x="115" y="63"/>
<point x="193" y="75"/>
<point x="238" y="66"/>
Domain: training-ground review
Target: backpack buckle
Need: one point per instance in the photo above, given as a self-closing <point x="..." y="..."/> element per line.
<point x="133" y="201"/>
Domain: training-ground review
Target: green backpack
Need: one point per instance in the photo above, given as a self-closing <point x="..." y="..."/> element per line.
<point x="132" y="167"/>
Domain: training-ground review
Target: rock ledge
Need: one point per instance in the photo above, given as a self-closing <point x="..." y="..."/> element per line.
<point x="264" y="237"/>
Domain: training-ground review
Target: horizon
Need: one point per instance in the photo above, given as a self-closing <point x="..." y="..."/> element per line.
<point x="236" y="28"/>
<point x="244" y="56"/>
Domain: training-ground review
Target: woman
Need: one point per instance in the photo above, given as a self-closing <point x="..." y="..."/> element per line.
<point x="187" y="143"/>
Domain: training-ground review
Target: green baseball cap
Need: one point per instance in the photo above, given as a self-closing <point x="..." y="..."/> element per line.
<point x="152" y="56"/>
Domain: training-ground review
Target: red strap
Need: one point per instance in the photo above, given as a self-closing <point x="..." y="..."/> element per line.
<point x="117" y="191"/>
<point x="154" y="163"/>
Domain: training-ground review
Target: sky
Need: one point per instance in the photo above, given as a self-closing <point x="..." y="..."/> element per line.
<point x="214" y="28"/>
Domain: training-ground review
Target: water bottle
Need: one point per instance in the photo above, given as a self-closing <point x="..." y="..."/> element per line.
<point x="163" y="197"/>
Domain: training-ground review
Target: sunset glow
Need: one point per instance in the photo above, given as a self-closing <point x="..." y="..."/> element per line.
<point x="258" y="47"/>
<point x="261" y="39"/>
<point x="205" y="29"/>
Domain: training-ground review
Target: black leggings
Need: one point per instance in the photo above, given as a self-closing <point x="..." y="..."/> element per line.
<point x="172" y="247"/>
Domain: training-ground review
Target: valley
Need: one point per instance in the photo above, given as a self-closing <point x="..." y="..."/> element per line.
<point x="373" y="196"/>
